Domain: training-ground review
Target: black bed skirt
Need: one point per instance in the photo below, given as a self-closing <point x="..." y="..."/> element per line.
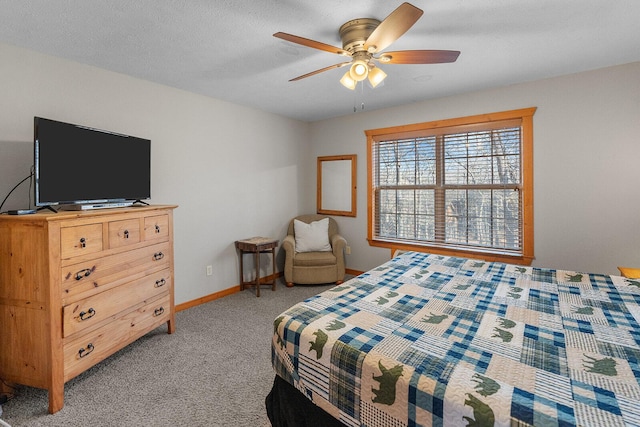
<point x="287" y="407"/>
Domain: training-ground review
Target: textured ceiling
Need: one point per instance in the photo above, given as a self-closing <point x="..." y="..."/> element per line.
<point x="225" y="49"/>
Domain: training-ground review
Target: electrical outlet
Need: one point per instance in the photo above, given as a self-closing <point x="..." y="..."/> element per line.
<point x="348" y="250"/>
<point x="209" y="270"/>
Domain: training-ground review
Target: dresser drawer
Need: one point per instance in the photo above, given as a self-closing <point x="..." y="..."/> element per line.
<point x="123" y="233"/>
<point x="83" y="352"/>
<point x="156" y="227"/>
<point x="90" y="312"/>
<point x="87" y="278"/>
<point x="80" y="240"/>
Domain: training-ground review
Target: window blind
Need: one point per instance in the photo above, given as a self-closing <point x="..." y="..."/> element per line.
<point x="451" y="187"/>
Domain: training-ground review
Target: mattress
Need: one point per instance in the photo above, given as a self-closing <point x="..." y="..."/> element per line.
<point x="433" y="340"/>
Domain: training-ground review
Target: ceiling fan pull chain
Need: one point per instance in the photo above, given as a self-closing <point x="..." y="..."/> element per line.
<point x="355" y="96"/>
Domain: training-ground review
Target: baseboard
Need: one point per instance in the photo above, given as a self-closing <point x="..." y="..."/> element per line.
<point x="221" y="294"/>
<point x="207" y="298"/>
<point x="232" y="290"/>
<point x="353" y="272"/>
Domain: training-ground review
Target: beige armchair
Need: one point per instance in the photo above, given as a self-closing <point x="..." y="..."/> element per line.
<point x="314" y="267"/>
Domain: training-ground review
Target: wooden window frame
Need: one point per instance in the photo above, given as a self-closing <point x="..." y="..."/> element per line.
<point x="522" y="116"/>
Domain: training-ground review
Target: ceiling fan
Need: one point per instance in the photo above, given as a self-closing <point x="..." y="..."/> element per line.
<point x="364" y="40"/>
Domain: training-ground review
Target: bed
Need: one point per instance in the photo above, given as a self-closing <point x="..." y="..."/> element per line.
<point x="434" y="340"/>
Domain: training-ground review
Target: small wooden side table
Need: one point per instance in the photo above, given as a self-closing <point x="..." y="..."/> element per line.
<point x="257" y="246"/>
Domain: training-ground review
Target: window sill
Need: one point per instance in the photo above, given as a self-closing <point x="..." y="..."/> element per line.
<point x="489" y="256"/>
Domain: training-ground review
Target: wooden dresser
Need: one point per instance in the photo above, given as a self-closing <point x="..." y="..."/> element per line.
<point x="75" y="287"/>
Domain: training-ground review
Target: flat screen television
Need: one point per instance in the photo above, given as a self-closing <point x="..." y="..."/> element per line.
<point x="81" y="166"/>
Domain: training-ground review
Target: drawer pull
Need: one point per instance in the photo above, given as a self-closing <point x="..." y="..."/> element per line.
<point x="86" y="351"/>
<point x="126" y="234"/>
<point x="158" y="311"/>
<point x="157" y="229"/>
<point x="85" y="315"/>
<point x="160" y="283"/>
<point x="85" y="272"/>
<point x="83" y="242"/>
<point x="158" y="256"/>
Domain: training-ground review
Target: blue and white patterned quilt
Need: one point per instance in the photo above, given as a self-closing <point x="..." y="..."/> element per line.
<point x="442" y="341"/>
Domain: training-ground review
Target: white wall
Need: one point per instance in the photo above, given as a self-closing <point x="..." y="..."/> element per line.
<point x="238" y="172"/>
<point x="233" y="171"/>
<point x="586" y="164"/>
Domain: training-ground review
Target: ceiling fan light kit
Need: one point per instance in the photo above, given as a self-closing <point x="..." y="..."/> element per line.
<point x="375" y="76"/>
<point x="363" y="38"/>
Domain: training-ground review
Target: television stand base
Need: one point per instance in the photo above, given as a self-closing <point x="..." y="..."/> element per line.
<point x="90" y="206"/>
<point x="47" y="207"/>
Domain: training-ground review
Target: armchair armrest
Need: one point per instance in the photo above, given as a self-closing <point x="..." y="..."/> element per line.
<point x="338" y="243"/>
<point x="289" y="246"/>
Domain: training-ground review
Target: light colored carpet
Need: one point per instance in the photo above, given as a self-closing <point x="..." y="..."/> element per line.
<point x="214" y="371"/>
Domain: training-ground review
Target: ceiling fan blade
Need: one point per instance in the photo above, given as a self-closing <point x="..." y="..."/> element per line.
<point x="313" y="73"/>
<point x="311" y="43"/>
<point x="419" y="57"/>
<point x="392" y="27"/>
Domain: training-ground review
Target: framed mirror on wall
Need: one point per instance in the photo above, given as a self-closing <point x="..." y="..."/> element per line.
<point x="337" y="185"/>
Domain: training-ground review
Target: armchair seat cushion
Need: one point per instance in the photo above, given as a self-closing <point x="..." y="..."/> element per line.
<point x="314" y="259"/>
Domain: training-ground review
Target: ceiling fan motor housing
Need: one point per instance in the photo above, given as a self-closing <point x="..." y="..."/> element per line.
<point x="355" y="33"/>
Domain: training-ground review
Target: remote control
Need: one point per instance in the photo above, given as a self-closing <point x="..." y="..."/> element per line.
<point x="22" y="212"/>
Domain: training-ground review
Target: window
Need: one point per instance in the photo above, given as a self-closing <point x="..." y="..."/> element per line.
<point x="455" y="187"/>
